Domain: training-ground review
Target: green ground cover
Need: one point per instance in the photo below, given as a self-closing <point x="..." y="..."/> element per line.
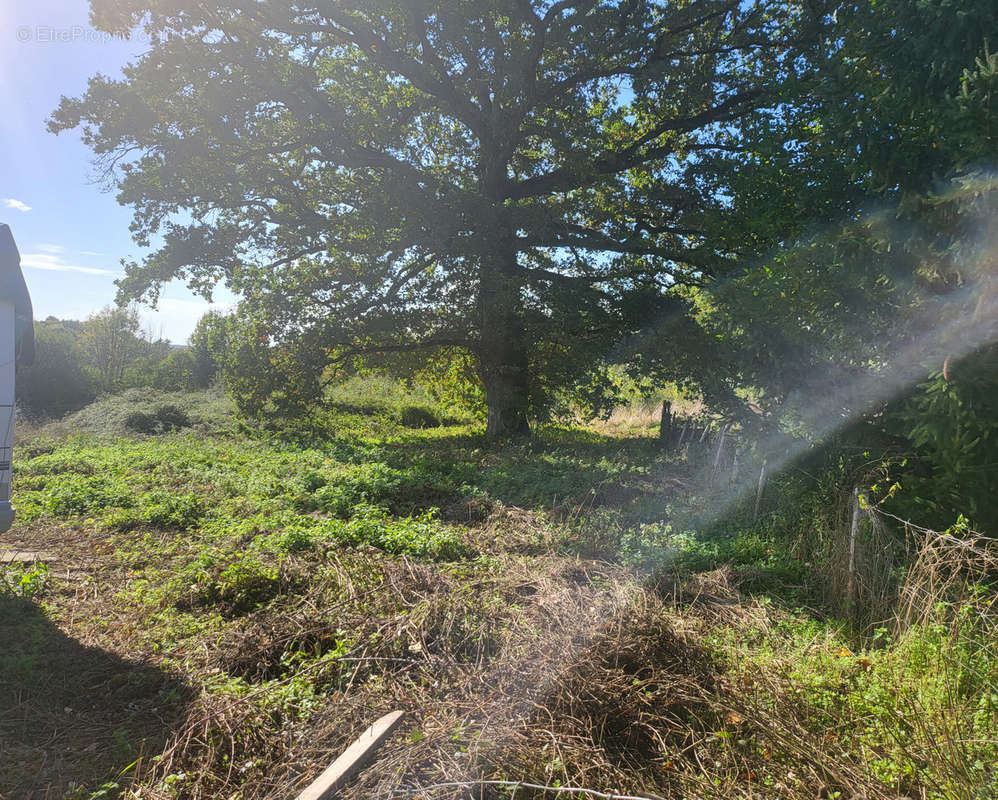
<point x="229" y="606"/>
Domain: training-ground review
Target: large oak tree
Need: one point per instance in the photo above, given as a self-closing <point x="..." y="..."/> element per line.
<point x="380" y="175"/>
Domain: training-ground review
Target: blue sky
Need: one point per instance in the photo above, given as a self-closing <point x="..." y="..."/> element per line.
<point x="72" y="235"/>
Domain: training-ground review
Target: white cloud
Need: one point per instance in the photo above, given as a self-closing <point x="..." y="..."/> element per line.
<point x="91" y="253"/>
<point x="17" y="205"/>
<point x="55" y="263"/>
<point x="51" y="248"/>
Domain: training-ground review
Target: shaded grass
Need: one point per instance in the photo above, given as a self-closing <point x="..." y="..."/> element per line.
<point x="75" y="716"/>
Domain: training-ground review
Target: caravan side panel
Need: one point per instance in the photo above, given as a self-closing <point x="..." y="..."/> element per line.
<point x="7" y="350"/>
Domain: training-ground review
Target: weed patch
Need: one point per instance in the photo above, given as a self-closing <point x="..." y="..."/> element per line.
<point x="564" y="618"/>
<point x="422" y="537"/>
<point x="164" y="510"/>
<point x="236" y="584"/>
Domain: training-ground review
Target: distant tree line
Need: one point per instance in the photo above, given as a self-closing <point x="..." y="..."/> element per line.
<point x="78" y="361"/>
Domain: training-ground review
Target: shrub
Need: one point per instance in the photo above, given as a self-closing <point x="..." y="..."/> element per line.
<point x="176" y="373"/>
<point x="418" y="417"/>
<point x="296" y="540"/>
<point x="171" y="418"/>
<point x="247" y="583"/>
<point x="209" y="347"/>
<point x="141" y="422"/>
<point x="235" y="583"/>
<point x="312" y="481"/>
<point x="165" y="419"/>
<point x="399" y="490"/>
<point x="27" y="581"/>
<point x="149" y="411"/>
<point x="336" y="499"/>
<point x="169" y="510"/>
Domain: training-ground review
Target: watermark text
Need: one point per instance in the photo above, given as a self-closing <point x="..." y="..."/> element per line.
<point x="72" y="34"/>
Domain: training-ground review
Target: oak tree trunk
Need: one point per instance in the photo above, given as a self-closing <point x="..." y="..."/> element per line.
<point x="502" y="355"/>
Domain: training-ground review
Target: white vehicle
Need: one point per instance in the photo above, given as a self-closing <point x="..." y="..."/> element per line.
<point x="17" y="346"/>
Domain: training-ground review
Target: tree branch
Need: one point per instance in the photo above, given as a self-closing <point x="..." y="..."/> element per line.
<point x="345" y="28"/>
<point x="407" y="347"/>
<point x="568" y="178"/>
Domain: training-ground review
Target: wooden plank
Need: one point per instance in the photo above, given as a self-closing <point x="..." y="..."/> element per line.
<point x="354" y="759"/>
<point x="25" y="556"/>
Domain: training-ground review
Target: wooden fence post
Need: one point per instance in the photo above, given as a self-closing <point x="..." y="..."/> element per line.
<point x="682" y="435"/>
<point x="762" y="488"/>
<point x="717" y="457"/>
<point x="853" y="530"/>
<point x="665" y="432"/>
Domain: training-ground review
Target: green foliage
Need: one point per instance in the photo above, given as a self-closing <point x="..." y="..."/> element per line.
<point x="164" y="419"/>
<point x="420" y="537"/>
<point x="391" y="239"/>
<point x="107" y="353"/>
<point x="58" y="382"/>
<point x="449" y="377"/>
<point x="162" y="510"/>
<point x="112" y="343"/>
<point x="71" y="495"/>
<point x="176" y="373"/>
<point x="266" y="380"/>
<point x="238" y="583"/>
<point x="953" y="426"/>
<point x="563" y="198"/>
<point x="418" y="417"/>
<point x="418" y="486"/>
<point x="172" y="417"/>
<point x="25" y="581"/>
<point x="209" y="348"/>
<point x="370" y="391"/>
<point x="179" y="481"/>
<point x="861" y="222"/>
<point x="141" y="422"/>
<point x="918" y="709"/>
<point x="281" y="574"/>
<point x="150" y="412"/>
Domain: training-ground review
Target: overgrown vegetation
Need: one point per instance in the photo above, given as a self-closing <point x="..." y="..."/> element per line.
<point x="612" y="387"/>
<point x="554" y="612"/>
<point x="108" y="353"/>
